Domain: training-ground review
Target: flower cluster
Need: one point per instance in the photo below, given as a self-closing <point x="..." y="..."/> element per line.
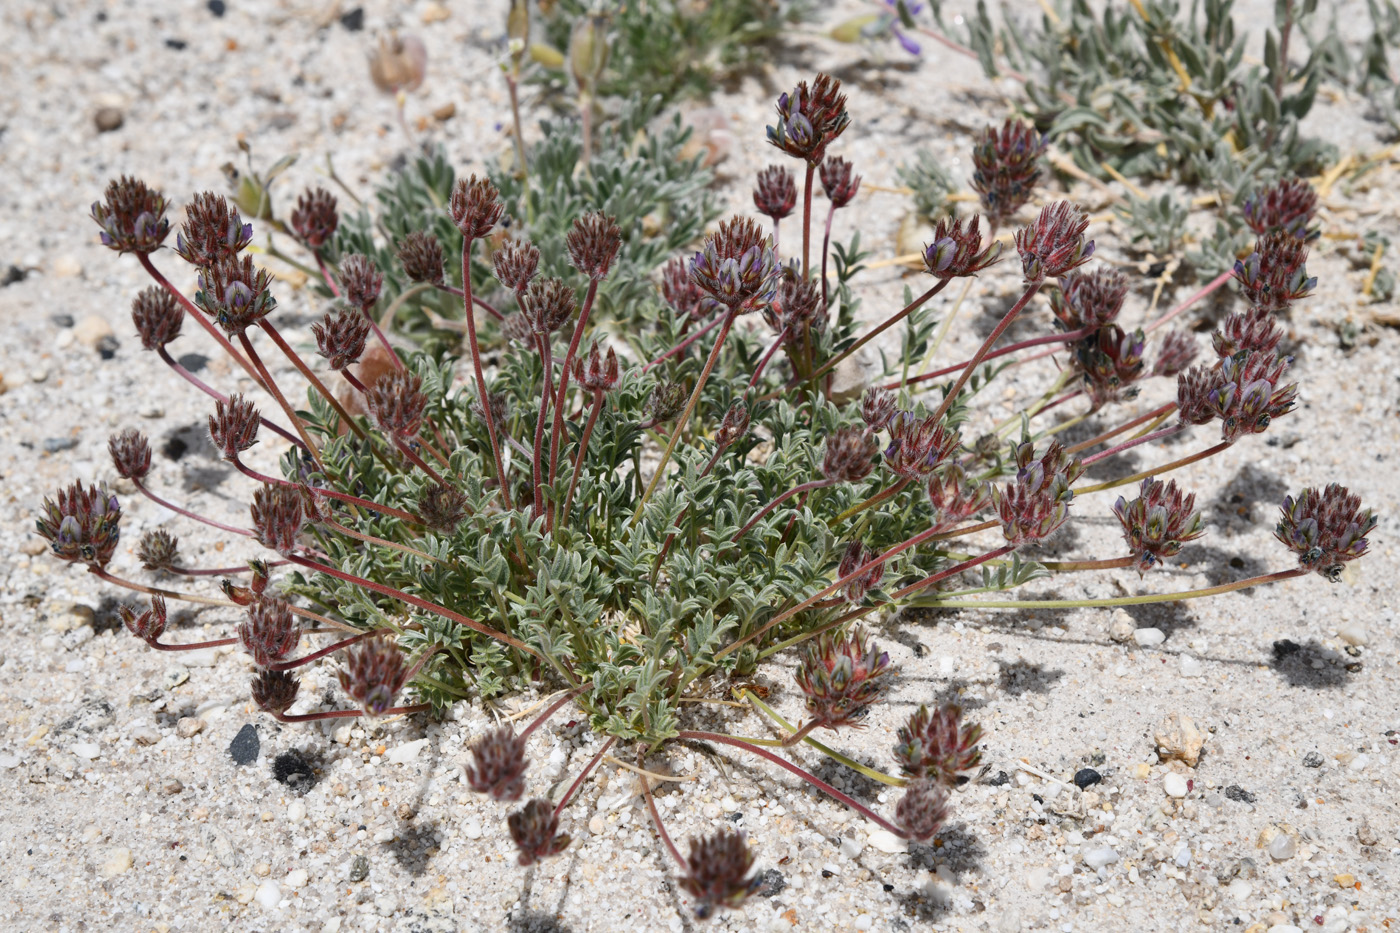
<point x="1158" y="522"/>
<point x="1035" y="504"/>
<point x="1326" y="528"/>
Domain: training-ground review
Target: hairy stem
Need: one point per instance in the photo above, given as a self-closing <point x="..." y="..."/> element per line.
<point x="986" y="347"/>
<point x="187" y="513"/>
<point x="480" y="374"/>
<point x="877" y="331"/>
<point x="311" y="377"/>
<point x="198" y="315"/>
<point x="814" y="484"/>
<point x="281" y="400"/>
<point x="199" y="384"/>
<point x="1114" y="601"/>
<point x="578" y="460"/>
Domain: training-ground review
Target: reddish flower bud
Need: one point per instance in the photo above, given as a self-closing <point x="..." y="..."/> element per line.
<point x="1035" y="504"/>
<point x="923" y="809"/>
<point x="1158" y="522"/>
<point x="1054" y="243"/>
<point x="717" y="872"/>
<point x="953" y="497"/>
<point x="442" y="507"/>
<point x="796" y="309"/>
<point x="849" y="455"/>
<point x="274" y="691"/>
<point x="1274" y="276"/>
<point x="548" y="304"/>
<point x="775" y="194"/>
<point x="535" y="829"/>
<point x="396" y="403"/>
<point x="131" y="454"/>
<point x="810" y="119"/>
<point x="958" y="252"/>
<point x="234" y="426"/>
<point x="918" y="445"/>
<point x="475" y="207"/>
<point x="838" y="181"/>
<point x="1285" y="207"/>
<point x="157" y="316"/>
<point x="341" y="339"/>
<point x="212" y="231"/>
<point x="360" y="281"/>
<point x="877" y="408"/>
<point x="597" y="373"/>
<point x="235" y="293"/>
<point x="682" y="294"/>
<point x="1089" y="299"/>
<point x="84" y="524"/>
<point x="315" y="218"/>
<point x="158" y="550"/>
<point x="664" y="403"/>
<point x="373" y="674"/>
<point x="516" y="263"/>
<point x="1006" y="167"/>
<point x="1111" y="361"/>
<point x="842" y="677"/>
<point x="498" y="764"/>
<point x="500" y="409"/>
<point x="736" y="266"/>
<point x="1325" y="529"/>
<point x="856" y="556"/>
<point x="1254" y="330"/>
<point x="733" y="426"/>
<point x="132" y="216"/>
<point x="1178" y="350"/>
<point x="1249" y="395"/>
<point x="1194" y="388"/>
<point x="270" y="632"/>
<point x="149" y="624"/>
<point x="593" y="242"/>
<point x="420" y="254"/>
<point x="936" y="746"/>
<point x="277" y="517"/>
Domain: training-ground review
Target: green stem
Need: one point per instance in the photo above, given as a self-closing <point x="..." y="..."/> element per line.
<point x="1113" y="601"/>
<point x="1155" y="471"/>
<point x="834" y="755"/>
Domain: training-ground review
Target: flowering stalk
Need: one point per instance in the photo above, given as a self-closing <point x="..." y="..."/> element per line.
<point x="281" y="400"/>
<point x="1210" y="287"/>
<point x="1156" y="471"/>
<point x="537" y="459"/>
<point x="1128" y="445"/>
<point x="204" y="322"/>
<point x="186" y="512"/>
<point x="971" y="366"/>
<point x="680" y="347"/>
<point x="311" y="377"/>
<point x="578" y="781"/>
<point x="480" y="374"/>
<point x="1113" y="601"/>
<point x="328" y="493"/>
<point x="578" y="459"/>
<point x="1002" y="351"/>
<point x="1157" y="414"/>
<point x="881" y="496"/>
<point x="807" y="221"/>
<point x="102" y="574"/>
<point x="877" y="331"/>
<point x="805" y="487"/>
<point x="557" y="431"/>
<point x="326" y="651"/>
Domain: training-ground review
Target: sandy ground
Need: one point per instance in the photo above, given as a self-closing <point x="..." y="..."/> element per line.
<point x="125" y="808"/>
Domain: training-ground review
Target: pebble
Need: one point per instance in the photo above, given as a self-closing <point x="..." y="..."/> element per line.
<point x="1240" y="889"/>
<point x="359" y="868"/>
<point x="1182" y="857"/>
<point x="64" y="617"/>
<point x="1353" y="633"/>
<point x="171" y="786"/>
<point x="1099" y="857"/>
<point x="1038" y="878"/>
<point x="118" y="861"/>
<point x="473" y="829"/>
<point x="245" y="745"/>
<point x="65" y="267"/>
<point x="1283" y="846"/>
<point x="403" y="754"/>
<point x="1149" y="637"/>
<point x="1121" y="626"/>
<point x="91" y="330"/>
<point x="851" y="847"/>
<point x="269" y="895"/>
<point x="85" y="750"/>
<point x="189" y="726"/>
<point x="8" y="761"/>
<point x="1312" y="760"/>
<point x="1174" y="785"/>
<point x="885" y="841"/>
<point x="596" y="825"/>
<point x="1191" y="667"/>
<point x="1236" y="792"/>
<point x="298" y="878"/>
<point x="107" y="119"/>
<point x="296" y="811"/>
<point x="1086" y="777"/>
<point x="1178" y="738"/>
<point x="1359" y="763"/>
<point x="174" y="677"/>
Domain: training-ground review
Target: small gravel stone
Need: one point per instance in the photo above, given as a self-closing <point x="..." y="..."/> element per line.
<point x="8" y="761"/>
<point x="359" y="868"/>
<point x="1121" y="626"/>
<point x="171" y="786"/>
<point x="217" y="7"/>
<point x="1353" y="633"/>
<point x="354" y="20"/>
<point x="296" y="811"/>
<point x="118" y="862"/>
<point x="1236" y="792"/>
<point x="1086" y="777"/>
<point x="1100" y="856"/>
<point x="269" y="895"/>
<point x="1312" y="760"/>
<point x="91" y="330"/>
<point x="851" y="847"/>
<point x="1283" y="846"/>
<point x="1191" y="667"/>
<point x="189" y="726"/>
<point x="771" y="882"/>
<point x="244" y="747"/>
<point x="107" y="119"/>
<point x="1359" y="763"/>
<point x="85" y="750"/>
<point x="403" y="754"/>
<point x="885" y="841"/>
<point x="298" y="878"/>
<point x="596" y="825"/>
<point x="1174" y="785"/>
<point x="1149" y="637"/>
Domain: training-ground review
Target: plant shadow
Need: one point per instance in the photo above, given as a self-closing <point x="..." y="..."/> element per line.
<point x="1307" y="665"/>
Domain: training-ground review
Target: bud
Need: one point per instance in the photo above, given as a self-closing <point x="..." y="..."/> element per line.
<point x="475" y="207"/>
<point x="775" y="194"/>
<point x="1158" y="522"/>
<point x="373" y="674"/>
<point x="1287" y="207"/>
<point x="132" y="217"/>
<point x="1253" y="331"/>
<point x="918" y="445"/>
<point x="877" y="408"/>
<point x="955" y="252"/>
<point x="277" y="517"/>
<point x="1111" y="361"/>
<point x="517" y="331"/>
<point x="149" y="624"/>
<point x="717" y="872"/>
<point x="1054" y="243"/>
<point x="736" y="266"/>
<point x="270" y="632"/>
<point x="1035" y="504"/>
<point x="1274" y="276"/>
<point x="1249" y="395"/>
<point x="360" y="281"/>
<point x="1325" y="529"/>
<point x="842" y="676"/>
<point x="588" y="51"/>
<point x="936" y="747"/>
<point x="664" y="402"/>
<point x="516" y="263"/>
<point x="500" y="409"/>
<point x="682" y="294"/>
<point x="84" y="524"/>
<point x="1194" y="388"/>
<point x="131" y="454"/>
<point x="838" y="181"/>
<point x="953" y="497"/>
<point x="597" y="373"/>
<point x="396" y="403"/>
<point x="158" y="551"/>
<point x="856" y="556"/>
<point x="341" y="339"/>
<point x="234" y="426"/>
<point x="733" y="426"/>
<point x="1178" y="350"/>
<point x="1089" y="299"/>
<point x="315" y="218"/>
<point x="157" y="316"/>
<point x="420" y="254"/>
<point x="849" y="454"/>
<point x="498" y="764"/>
<point x="795" y="310"/>
<point x="442" y="507"/>
<point x="593" y="241"/>
<point x="535" y="829"/>
<point x="212" y="231"/>
<point x="1006" y="167"/>
<point x="399" y="63"/>
<point x="274" y="691"/>
<point x="923" y="809"/>
<point x="235" y="293"/>
<point x="810" y="119"/>
<point x="548" y="304"/>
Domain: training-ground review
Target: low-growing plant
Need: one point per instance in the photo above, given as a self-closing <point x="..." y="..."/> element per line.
<point x="634" y="500"/>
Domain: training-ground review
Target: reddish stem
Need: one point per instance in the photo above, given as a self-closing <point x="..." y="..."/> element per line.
<point x="680" y="347"/>
<point x="329" y="649"/>
<point x="1107" y="435"/>
<point x="198" y="315"/>
<point x="199" y="384"/>
<point x="537" y="459"/>
<point x="807" y="222"/>
<point x="877" y="331"/>
<point x="557" y="433"/>
<point x="329" y="493"/>
<point x="187" y="513"/>
<point x="656" y="821"/>
<point x="311" y="377"/>
<point x="578" y="781"/>
<point x="578" y="460"/>
<point x="826" y="249"/>
<point x="1128" y="445"/>
<point x="1009" y="348"/>
<point x="349" y="713"/>
<point x="805" y="487"/>
<point x="480" y="375"/>
<point x="768" y="355"/>
<point x="281" y="399"/>
<point x="1210" y="287"/>
<point x="479" y="302"/>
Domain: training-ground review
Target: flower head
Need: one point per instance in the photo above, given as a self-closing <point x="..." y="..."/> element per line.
<point x="1254" y="330"/>
<point x="1178" y="350"/>
<point x="83" y="524"/>
<point x="1054" y="243"/>
<point x="1325" y="529"/>
<point x="795" y="310"/>
<point x="954" y="497"/>
<point x="1006" y="167"/>
<point x="734" y="424"/>
<point x="849" y="455"/>
<point x="679" y="290"/>
<point x="842" y="676"/>
<point x="923" y="809"/>
<point x="420" y="254"/>
<point x="498" y="764"/>
<point x="274" y="691"/>
<point x="158" y="550"/>
<point x="516" y="263"/>
<point x="1089" y="299"/>
<point x="548" y="304"/>
<point x="147" y="625"/>
<point x="1250" y="394"/>
<point x="131" y="454"/>
<point x="400" y="63"/>
<point x="598" y="373"/>
<point x="918" y="445"/>
<point x="877" y="408"/>
<point x="1194" y="389"/>
<point x="475" y="207"/>
<point x="360" y="281"/>
<point x="341" y="339"/>
<point x="132" y="216"/>
<point x="593" y="241"/>
<point x="315" y="217"/>
<point x="1111" y="361"/>
<point x="717" y="873"/>
<point x="277" y="517"/>
<point x="373" y="674"/>
<point x="1036" y="502"/>
<point x="775" y="194"/>
<point x="269" y="633"/>
<point x="956" y="251"/>
<point x="1275" y="275"/>
<point x="838" y="181"/>
<point x="936" y="746"/>
<point x="736" y="266"/>
<point x="396" y="402"/>
<point x="535" y="829"/>
<point x="233" y="427"/>
<point x="157" y="316"/>
<point x="442" y="507"/>
<point x="235" y="293"/>
<point x="810" y="119"/>
<point x="856" y="556"/>
<point x="1158" y="522"/>
<point x="664" y="403"/>
<point x="212" y="231"/>
<point x="1287" y="206"/>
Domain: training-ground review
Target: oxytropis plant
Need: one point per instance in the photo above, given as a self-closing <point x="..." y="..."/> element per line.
<point x="634" y="515"/>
